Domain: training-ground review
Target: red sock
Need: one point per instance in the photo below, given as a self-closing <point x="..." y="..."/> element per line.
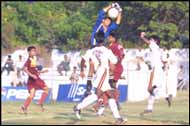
<point x="27" y="102"/>
<point x="43" y="97"/>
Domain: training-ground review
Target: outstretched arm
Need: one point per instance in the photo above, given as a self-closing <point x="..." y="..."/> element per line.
<point x="107" y="8"/>
<point x="144" y="38"/>
<point x="118" y="20"/>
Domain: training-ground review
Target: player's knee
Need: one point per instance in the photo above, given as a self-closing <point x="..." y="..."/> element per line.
<point x="31" y="96"/>
<point x="46" y="90"/>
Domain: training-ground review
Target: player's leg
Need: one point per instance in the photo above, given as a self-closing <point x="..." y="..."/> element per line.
<point x="169" y="100"/>
<point x="168" y="96"/>
<point x="43" y="97"/>
<point x="115" y="111"/>
<point x="109" y="96"/>
<point x="113" y="82"/>
<point x="101" y="103"/>
<point x="151" y="100"/>
<point x="28" y="100"/>
<point x="85" y="102"/>
<point x="41" y="84"/>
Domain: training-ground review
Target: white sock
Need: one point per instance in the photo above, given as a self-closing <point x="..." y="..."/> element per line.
<point x="100" y="111"/>
<point x="113" y="107"/>
<point x="150" y="102"/>
<point x="87" y="101"/>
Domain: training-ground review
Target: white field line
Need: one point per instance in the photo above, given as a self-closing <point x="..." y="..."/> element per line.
<point x="25" y="117"/>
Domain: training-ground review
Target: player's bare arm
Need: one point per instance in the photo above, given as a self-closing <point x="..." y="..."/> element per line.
<point x="142" y="35"/>
<point x="43" y="71"/>
<point x="118" y="20"/>
<point x="82" y="68"/>
<point x="29" y="73"/>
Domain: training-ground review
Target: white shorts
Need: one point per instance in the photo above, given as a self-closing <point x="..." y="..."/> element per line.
<point x="101" y="79"/>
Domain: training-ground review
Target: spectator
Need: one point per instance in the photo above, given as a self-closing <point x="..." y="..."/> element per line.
<point x="64" y="66"/>
<point x="8" y="65"/>
<point x="19" y="66"/>
<point x="74" y="76"/>
<point x="180" y="76"/>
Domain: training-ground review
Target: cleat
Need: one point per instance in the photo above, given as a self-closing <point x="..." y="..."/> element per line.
<point x="121" y="120"/>
<point x="169" y="100"/>
<point x="42" y="108"/>
<point x="145" y="112"/>
<point x="23" y="110"/>
<point x="77" y="112"/>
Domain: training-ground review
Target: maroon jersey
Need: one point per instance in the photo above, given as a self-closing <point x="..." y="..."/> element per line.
<point x="31" y="66"/>
<point x="33" y="83"/>
<point x="117" y="50"/>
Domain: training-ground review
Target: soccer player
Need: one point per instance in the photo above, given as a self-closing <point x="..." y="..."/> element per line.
<point x="100" y="56"/>
<point x="105" y="24"/>
<point x="156" y="82"/>
<point x="117" y="69"/>
<point x="34" y="81"/>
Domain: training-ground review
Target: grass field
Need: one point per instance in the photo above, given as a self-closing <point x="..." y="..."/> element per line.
<point x="62" y="113"/>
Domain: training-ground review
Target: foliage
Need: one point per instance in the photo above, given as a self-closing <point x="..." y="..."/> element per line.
<point x="68" y="25"/>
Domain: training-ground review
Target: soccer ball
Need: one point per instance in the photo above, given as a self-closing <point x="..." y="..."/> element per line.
<point x="113" y="13"/>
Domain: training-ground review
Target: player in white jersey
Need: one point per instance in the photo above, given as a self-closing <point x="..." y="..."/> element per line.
<point x="100" y="56"/>
<point x="156" y="85"/>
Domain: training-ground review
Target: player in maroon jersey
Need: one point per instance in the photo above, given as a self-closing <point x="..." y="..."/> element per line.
<point x="34" y="81"/>
<point x="115" y="70"/>
<point x="118" y="51"/>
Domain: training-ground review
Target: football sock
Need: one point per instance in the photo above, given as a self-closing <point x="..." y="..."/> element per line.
<point x="100" y="111"/>
<point x="113" y="107"/>
<point x="27" y="102"/>
<point x="87" y="101"/>
<point x="150" y="102"/>
<point x="43" y="97"/>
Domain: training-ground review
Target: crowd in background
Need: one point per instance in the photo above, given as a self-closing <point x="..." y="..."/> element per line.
<point x="68" y="65"/>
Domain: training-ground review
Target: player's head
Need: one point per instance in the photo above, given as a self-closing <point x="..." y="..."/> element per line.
<point x="32" y="50"/>
<point x="74" y="68"/>
<point x="155" y="38"/>
<point x="65" y="57"/>
<point x="113" y="37"/>
<point x="99" y="36"/>
<point x="9" y="56"/>
<point x="107" y="21"/>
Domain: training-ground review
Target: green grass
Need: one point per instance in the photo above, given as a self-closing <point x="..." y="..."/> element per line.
<point x="62" y="113"/>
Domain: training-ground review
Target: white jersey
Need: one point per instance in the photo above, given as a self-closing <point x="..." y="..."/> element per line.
<point x="101" y="56"/>
<point x="155" y="55"/>
<point x="165" y="56"/>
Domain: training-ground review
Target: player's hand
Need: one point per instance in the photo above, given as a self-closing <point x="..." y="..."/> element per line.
<point x="82" y="74"/>
<point x="120" y="9"/>
<point x="143" y="34"/>
<point x="113" y="4"/>
<point x="116" y="5"/>
<point x="150" y="89"/>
